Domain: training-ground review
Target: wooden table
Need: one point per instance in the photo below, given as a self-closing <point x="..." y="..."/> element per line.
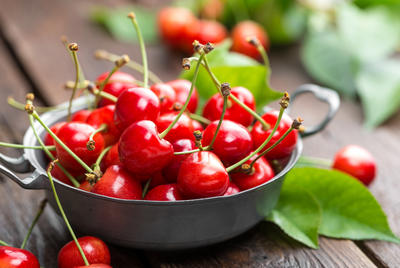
<point x="32" y="59"/>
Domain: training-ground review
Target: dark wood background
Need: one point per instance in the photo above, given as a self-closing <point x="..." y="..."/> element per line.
<point x="32" y="59"/>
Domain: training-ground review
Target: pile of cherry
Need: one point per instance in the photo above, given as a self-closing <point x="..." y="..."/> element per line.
<point x="138" y="155"/>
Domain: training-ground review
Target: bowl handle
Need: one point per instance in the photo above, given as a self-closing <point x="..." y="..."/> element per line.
<point x="21" y="165"/>
<point x="324" y="94"/>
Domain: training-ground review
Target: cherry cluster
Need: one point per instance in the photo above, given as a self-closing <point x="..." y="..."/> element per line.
<point x="178" y="27"/>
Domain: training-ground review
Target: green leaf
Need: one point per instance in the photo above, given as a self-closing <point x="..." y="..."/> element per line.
<point x="348" y="209"/>
<point x="236" y="69"/>
<point x="121" y="27"/>
<point x="298" y="214"/>
<point x="328" y="62"/>
<point x="379" y="89"/>
<point x="368" y="35"/>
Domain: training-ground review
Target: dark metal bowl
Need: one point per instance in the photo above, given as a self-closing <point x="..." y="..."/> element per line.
<point x="157" y="225"/>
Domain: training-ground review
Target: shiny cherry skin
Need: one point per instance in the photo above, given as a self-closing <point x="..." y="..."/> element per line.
<point x="75" y="136"/>
<point x="157" y="179"/>
<point x="166" y="192"/>
<point x="248" y="28"/>
<point x="118" y="182"/>
<point x="182" y="88"/>
<point x="357" y="162"/>
<point x="166" y="94"/>
<point x="286" y="146"/>
<point x="105" y="115"/>
<point x="111" y="158"/>
<point x="202" y="175"/>
<point x="197" y="125"/>
<point x="136" y="104"/>
<point x="48" y="140"/>
<point x="211" y="31"/>
<point x="176" y="26"/>
<point x="183" y="129"/>
<point x="11" y="257"/>
<point x="97" y="265"/>
<point x="80" y="116"/>
<point x="233" y="142"/>
<point x="85" y="185"/>
<point x="263" y="172"/>
<point x="213" y="108"/>
<point x="95" y="250"/>
<point x="170" y="172"/>
<point x="123" y="82"/>
<point x="142" y="151"/>
<point x="232" y="189"/>
<point x="58" y="174"/>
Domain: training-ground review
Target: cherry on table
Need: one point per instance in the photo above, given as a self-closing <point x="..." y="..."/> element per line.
<point x="182" y="88"/>
<point x="234" y="112"/>
<point x="95" y="250"/>
<point x="165" y="192"/>
<point x="357" y="162"/>
<point x="11" y="257"/>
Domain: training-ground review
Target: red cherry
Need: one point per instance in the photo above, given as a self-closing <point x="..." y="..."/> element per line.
<point x="232" y="189"/>
<point x="176" y="25"/>
<point x="17" y="258"/>
<point x="111" y="158"/>
<point x="182" y="88"/>
<point x="211" y="31"/>
<point x="115" y="88"/>
<point x="85" y="185"/>
<point x="142" y="151"/>
<point x="136" y="104"/>
<point x="357" y="162"/>
<point x="166" y="94"/>
<point x="105" y="115"/>
<point x="95" y="250"/>
<point x="183" y="129"/>
<point x="97" y="265"/>
<point x="80" y="116"/>
<point x="118" y="182"/>
<point x="58" y="174"/>
<point x="157" y="179"/>
<point x="286" y="146"/>
<point x="48" y="140"/>
<point x="248" y="28"/>
<point x="262" y="173"/>
<point x="75" y="136"/>
<point x="166" y="192"/>
<point x="234" y="112"/>
<point x="197" y="125"/>
<point x="202" y="175"/>
<point x="170" y="172"/>
<point x="233" y="142"/>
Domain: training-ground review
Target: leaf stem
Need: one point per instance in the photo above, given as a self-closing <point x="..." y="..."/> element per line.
<point x="132" y="16"/>
<point x="21" y="146"/>
<point x="196" y="71"/>
<point x="261" y="146"/>
<point x="63" y="214"/>
<point x="38" y="214"/>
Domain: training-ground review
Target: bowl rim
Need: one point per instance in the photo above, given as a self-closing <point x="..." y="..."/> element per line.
<point x="54" y="116"/>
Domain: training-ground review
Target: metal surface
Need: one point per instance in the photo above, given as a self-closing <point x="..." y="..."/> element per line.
<point x="152" y="225"/>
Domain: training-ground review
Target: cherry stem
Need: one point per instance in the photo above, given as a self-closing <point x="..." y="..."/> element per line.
<point x="38" y="214"/>
<point x="49" y="154"/>
<point x="21" y="106"/>
<point x="4" y="243"/>
<point x="196" y="71"/>
<point x="133" y="82"/>
<point x="210" y="146"/>
<point x="265" y="125"/>
<point x="105" y="95"/>
<point x="261" y="146"/>
<point x="102" y="128"/>
<point x="132" y="16"/>
<point x="83" y="164"/>
<point x="146" y="187"/>
<point x="104" y="55"/>
<point x="63" y="214"/>
<point x="75" y="87"/>
<point x="271" y="147"/>
<point x="21" y="146"/>
<point x="189" y="152"/>
<point x="199" y="118"/>
<point x="101" y="156"/>
<point x="308" y="160"/>
<point x="105" y="81"/>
